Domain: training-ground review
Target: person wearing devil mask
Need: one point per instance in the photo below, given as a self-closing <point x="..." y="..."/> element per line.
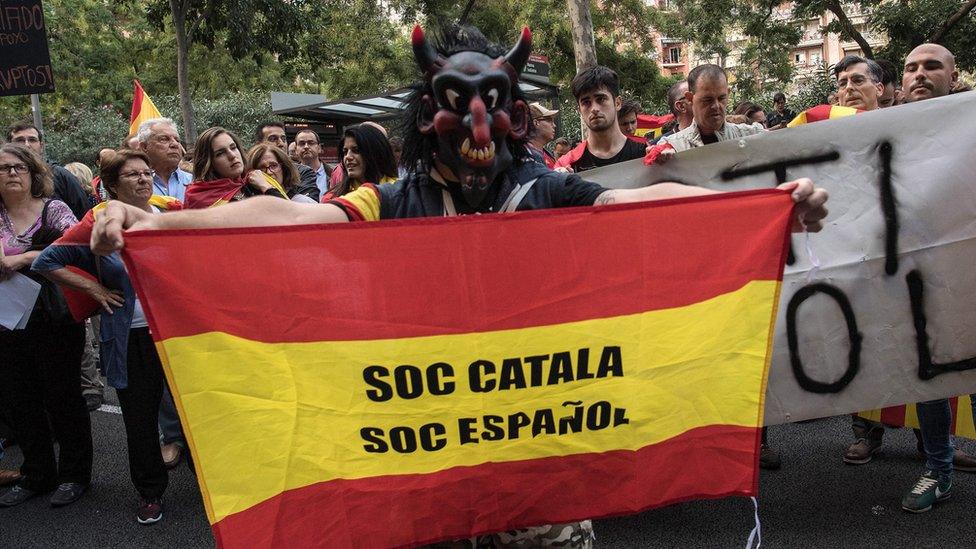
<point x="464" y="139"/>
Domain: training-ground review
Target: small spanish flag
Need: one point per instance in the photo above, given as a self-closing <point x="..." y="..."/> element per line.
<point x="650" y="126"/>
<point x="143" y="109"/>
<point x="398" y="383"/>
<point x="821" y="112"/>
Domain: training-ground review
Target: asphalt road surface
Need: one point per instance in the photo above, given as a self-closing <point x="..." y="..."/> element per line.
<point x="813" y="501"/>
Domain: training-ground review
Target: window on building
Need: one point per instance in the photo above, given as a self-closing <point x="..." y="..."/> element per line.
<point x="673" y="55"/>
<point x="816" y="58"/>
<point x="798" y="58"/>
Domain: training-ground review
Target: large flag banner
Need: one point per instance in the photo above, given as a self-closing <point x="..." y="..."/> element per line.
<point x="877" y="309"/>
<point x="402" y="382"/>
<point x="143" y="108"/>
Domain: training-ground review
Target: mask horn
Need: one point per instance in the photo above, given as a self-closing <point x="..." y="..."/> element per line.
<point x="520" y="53"/>
<point x="427" y="58"/>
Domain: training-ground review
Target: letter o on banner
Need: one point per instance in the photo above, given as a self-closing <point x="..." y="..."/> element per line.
<point x="854" y="339"/>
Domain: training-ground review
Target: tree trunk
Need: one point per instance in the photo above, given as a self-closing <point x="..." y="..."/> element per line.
<point x="584" y="45"/>
<point x="182" y="70"/>
<point x="849" y="28"/>
<point x="936" y="36"/>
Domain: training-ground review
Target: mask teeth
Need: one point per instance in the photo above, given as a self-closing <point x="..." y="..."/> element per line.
<point x="484" y="153"/>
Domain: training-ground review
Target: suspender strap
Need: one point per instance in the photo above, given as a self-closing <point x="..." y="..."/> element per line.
<point x="511" y="203"/>
<point x="518" y="194"/>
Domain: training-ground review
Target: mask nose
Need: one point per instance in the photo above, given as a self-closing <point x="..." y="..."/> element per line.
<point x="479" y="121"/>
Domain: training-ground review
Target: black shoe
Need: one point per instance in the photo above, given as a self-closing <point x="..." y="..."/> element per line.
<point x="67" y="493"/>
<point x="93" y="401"/>
<point x="16" y="495"/>
<point x="769" y="459"/>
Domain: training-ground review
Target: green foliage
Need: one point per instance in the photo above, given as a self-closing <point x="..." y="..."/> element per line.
<point x="814" y="91"/>
<point x="909" y="24"/>
<point x="78" y="136"/>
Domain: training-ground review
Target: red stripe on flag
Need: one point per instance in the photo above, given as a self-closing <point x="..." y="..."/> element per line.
<point x="136" y="101"/>
<point x="456" y="275"/>
<point x="708" y="462"/>
<point x="894" y="415"/>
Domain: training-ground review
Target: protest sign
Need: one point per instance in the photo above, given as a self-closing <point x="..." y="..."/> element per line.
<point x="419" y="380"/>
<point x="877" y="308"/>
<point x="25" y="66"/>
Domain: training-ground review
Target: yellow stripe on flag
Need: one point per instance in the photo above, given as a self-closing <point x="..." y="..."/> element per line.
<point x="306" y="402"/>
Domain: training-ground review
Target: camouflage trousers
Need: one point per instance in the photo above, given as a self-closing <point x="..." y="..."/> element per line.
<point x="572" y="535"/>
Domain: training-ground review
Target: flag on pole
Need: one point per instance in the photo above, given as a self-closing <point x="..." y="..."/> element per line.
<point x="397" y="383"/>
<point x="143" y="109"/>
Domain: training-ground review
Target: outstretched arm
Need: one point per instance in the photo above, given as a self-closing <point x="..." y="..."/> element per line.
<point x="810" y="210"/>
<point x="259" y="211"/>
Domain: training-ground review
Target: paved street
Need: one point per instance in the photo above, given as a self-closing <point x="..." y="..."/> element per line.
<point x="814" y="501"/>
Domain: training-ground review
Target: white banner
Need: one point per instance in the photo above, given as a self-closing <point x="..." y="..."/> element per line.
<point x="889" y="317"/>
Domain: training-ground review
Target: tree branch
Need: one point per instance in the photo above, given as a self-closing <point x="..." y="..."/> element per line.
<point x="196" y="23"/>
<point x="849" y="29"/>
<point x="937" y="36"/>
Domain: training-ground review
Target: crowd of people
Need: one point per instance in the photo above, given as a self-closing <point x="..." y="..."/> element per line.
<point x="48" y="214"/>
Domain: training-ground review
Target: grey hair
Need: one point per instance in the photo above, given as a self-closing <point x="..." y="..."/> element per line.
<point x="145" y="129"/>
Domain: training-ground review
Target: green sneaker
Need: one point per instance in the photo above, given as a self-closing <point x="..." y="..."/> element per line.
<point x="927" y="491"/>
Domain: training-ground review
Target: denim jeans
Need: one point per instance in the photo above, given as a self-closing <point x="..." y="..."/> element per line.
<point x="935" y="420"/>
<point x="169" y="419"/>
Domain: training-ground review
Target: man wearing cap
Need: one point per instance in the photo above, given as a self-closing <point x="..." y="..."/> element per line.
<point x="543" y="131"/>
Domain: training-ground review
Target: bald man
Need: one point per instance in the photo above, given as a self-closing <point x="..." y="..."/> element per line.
<point x="930" y="71"/>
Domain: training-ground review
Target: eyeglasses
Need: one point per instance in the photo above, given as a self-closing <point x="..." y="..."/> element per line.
<point x="856" y="79"/>
<point x="277" y="139"/>
<point x="138" y="174"/>
<point x="28" y="139"/>
<point x="17" y="168"/>
<point x="270" y="166"/>
<point x="306" y="143"/>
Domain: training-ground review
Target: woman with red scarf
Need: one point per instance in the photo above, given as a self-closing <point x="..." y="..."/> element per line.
<point x="219" y="176"/>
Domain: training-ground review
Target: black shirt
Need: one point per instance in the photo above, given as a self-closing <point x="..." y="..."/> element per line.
<point x="774" y="118"/>
<point x="630" y="151"/>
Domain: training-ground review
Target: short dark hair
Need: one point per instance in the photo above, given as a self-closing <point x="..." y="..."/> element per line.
<point x="311" y="131"/>
<point x="877" y="73"/>
<point x="628" y="106"/>
<point x="112" y="168"/>
<point x="259" y="131"/>
<point x="591" y="79"/>
<point x="888" y="70"/>
<point x="705" y="71"/>
<point x="21" y="126"/>
<point x="779" y="96"/>
<point x="674" y="94"/>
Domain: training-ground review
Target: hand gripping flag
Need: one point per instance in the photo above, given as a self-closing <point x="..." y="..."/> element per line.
<point x="398" y="383"/>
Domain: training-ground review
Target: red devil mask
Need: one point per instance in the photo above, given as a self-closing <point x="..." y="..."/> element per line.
<point x="472" y="110"/>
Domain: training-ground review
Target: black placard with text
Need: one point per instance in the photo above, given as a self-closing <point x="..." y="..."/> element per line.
<point x="25" y="64"/>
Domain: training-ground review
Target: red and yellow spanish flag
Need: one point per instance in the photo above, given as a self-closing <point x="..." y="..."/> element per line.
<point x="650" y="126"/>
<point x="396" y="383"/>
<point x="907" y="416"/>
<point x="821" y="112"/>
<point x="143" y="109"/>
